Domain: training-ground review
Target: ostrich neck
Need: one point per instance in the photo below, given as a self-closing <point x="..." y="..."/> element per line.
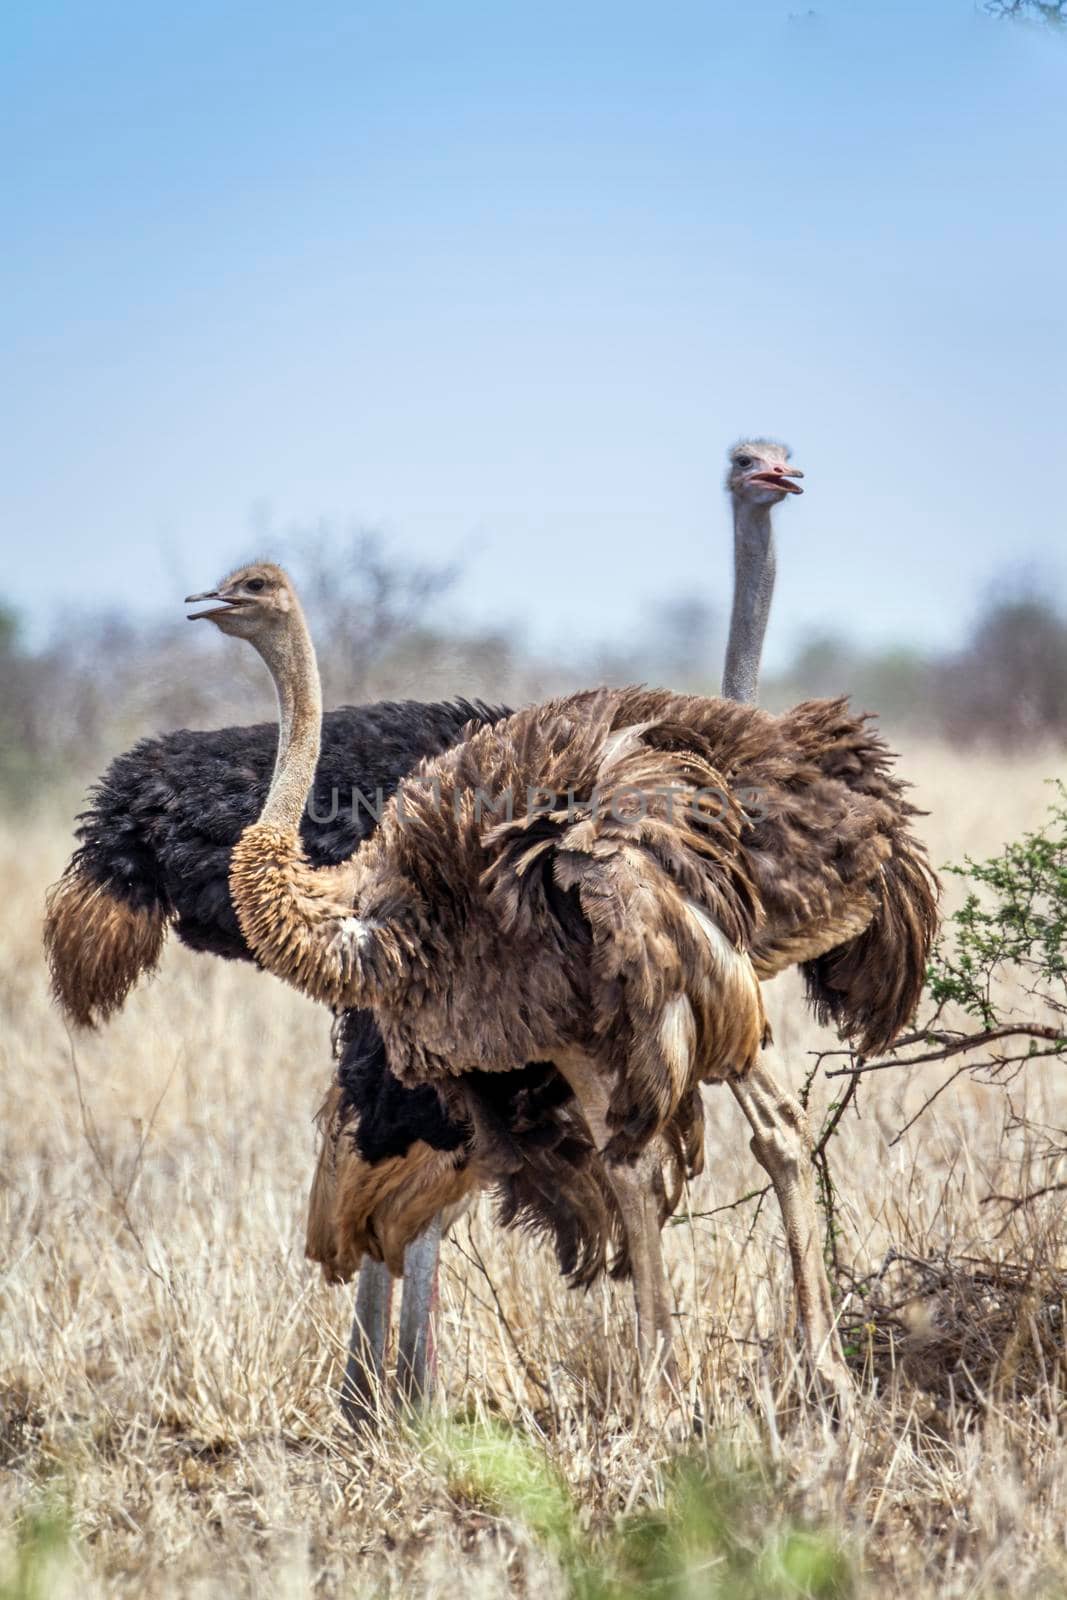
<point x="753" y="591"/>
<point x="291" y="661"/>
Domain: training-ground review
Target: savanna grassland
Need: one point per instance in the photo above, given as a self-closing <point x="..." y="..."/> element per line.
<point x="169" y="1361"/>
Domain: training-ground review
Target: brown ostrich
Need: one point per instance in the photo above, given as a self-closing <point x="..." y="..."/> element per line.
<point x="581" y="885"/>
<point x="759" y="476"/>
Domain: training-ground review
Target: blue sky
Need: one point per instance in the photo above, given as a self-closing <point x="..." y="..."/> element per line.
<point x="505" y="280"/>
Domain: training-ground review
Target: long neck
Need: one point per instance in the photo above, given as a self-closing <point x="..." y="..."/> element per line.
<point x="753" y="592"/>
<point x="291" y="659"/>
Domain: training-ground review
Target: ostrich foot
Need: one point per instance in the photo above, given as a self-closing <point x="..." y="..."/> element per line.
<point x="831" y="1379"/>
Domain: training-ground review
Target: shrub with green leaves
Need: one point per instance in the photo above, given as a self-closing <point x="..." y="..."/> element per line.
<point x="1011" y="926"/>
<point x="996" y="991"/>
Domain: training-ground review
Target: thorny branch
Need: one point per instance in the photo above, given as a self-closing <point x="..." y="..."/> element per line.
<point x="1015" y="1202"/>
<point x="949" y="1044"/>
<point x="477" y="1260"/>
<point x="731" y="1205"/>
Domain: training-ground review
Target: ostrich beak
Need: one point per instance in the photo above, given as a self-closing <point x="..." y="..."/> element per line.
<point x="778" y="478"/>
<point x="227" y="604"/>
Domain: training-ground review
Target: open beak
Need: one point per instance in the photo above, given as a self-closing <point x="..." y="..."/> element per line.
<point x="779" y="479"/>
<point x="226" y="603"/>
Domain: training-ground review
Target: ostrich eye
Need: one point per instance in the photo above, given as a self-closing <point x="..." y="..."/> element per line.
<point x="255" y="585"/>
<point x="743" y="461"/>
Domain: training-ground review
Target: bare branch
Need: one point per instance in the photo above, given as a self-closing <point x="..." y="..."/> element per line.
<point x="1014" y="1202"/>
<point x="954" y="1044"/>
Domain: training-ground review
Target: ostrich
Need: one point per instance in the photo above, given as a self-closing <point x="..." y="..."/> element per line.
<point x="759" y="477"/>
<point x="153" y="854"/>
<point x="153" y="857"/>
<point x="618" y="927"/>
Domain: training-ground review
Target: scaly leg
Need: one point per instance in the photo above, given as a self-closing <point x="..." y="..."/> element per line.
<point x="633" y="1184"/>
<point x="782" y="1144"/>
<point x="417" y="1356"/>
<point x="634" y="1188"/>
<point x="364" y="1369"/>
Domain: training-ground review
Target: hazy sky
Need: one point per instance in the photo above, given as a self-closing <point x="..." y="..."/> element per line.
<point x="505" y="279"/>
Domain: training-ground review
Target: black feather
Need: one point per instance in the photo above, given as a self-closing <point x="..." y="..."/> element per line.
<point x="388" y="1116"/>
<point x="164" y="817"/>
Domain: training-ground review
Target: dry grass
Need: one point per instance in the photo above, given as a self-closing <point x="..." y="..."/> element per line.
<point x="167" y="1357"/>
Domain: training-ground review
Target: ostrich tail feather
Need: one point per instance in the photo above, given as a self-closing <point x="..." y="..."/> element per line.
<point x="97" y="945"/>
<point x="360" y="1208"/>
<point x="870" y="987"/>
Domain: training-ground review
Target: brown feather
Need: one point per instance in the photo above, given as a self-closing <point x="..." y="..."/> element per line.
<point x="359" y="1208"/>
<point x="660" y="854"/>
<point x="97" y="946"/>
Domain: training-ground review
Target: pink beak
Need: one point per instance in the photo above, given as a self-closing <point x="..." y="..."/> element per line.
<point x="779" y="477"/>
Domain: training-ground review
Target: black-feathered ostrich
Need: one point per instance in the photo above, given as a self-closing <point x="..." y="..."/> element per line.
<point x="618" y="927"/>
<point x="154" y="854"/>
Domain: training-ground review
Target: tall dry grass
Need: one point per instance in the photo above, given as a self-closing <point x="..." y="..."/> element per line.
<point x="168" y="1359"/>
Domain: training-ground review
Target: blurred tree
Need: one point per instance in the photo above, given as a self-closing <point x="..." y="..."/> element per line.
<point x="679" y="643"/>
<point x="102" y="681"/>
<point x="1052" y="12"/>
<point x="1009" y="682"/>
<point x="825" y="664"/>
<point x="895" y="682"/>
<point x="16" y="763"/>
<point x="684" y="643"/>
<point x="361" y="599"/>
<point x="9" y="630"/>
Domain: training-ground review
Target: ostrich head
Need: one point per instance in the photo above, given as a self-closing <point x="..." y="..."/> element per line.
<point x="759" y="473"/>
<point x="253" y="603"/>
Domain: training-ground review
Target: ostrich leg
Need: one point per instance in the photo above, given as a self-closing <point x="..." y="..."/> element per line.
<point x="633" y="1184"/>
<point x="364" y="1369"/>
<point x="781" y="1143"/>
<point x="417" y="1355"/>
<point x="634" y="1187"/>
